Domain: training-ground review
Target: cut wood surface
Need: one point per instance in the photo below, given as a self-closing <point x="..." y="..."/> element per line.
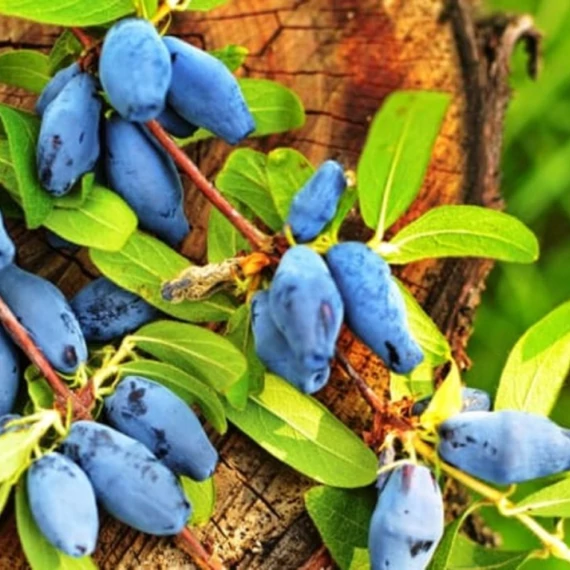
<point x="343" y="57"/>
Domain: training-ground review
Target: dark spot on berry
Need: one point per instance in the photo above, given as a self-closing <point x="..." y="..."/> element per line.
<point x="419" y="546"/>
<point x="393" y="355"/>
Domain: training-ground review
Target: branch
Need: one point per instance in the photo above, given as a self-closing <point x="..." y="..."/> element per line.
<point x="85" y="40"/>
<point x="188" y="541"/>
<point x="257" y="239"/>
<point x="62" y="392"/>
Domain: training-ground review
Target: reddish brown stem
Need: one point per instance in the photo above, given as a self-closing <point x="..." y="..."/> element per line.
<point x="320" y="560"/>
<point x="257" y="239"/>
<point x="22" y="338"/>
<point x="194" y="548"/>
<point x="371" y="398"/>
<point x="85" y="40"/>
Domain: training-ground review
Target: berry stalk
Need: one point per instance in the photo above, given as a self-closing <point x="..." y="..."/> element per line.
<point x="257" y="239"/>
<point x="192" y="545"/>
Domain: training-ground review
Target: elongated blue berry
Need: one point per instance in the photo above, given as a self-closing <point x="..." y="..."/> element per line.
<point x="145" y="176"/>
<point x="274" y="351"/>
<point x="55" y="85"/>
<point x="63" y="504"/>
<point x="206" y="94"/>
<point x="407" y="523"/>
<point x="155" y="416"/>
<point x="9" y="373"/>
<point x="135" y="69"/>
<point x="68" y="144"/>
<point x="374" y="307"/>
<point x="129" y="481"/>
<point x="44" y="312"/>
<point x="505" y="446"/>
<point x="314" y="206"/>
<point x="106" y="312"/>
<point x="306" y="306"/>
<point x="171" y="121"/>
<point x="7" y="249"/>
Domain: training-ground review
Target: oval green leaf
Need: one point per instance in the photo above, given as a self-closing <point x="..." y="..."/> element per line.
<point x="195" y="350"/>
<point x="223" y="239"/>
<point x="551" y="501"/>
<point x="396" y="155"/>
<point x="463" y="231"/>
<point x="103" y="221"/>
<point x="184" y="385"/>
<point x="537" y="366"/>
<point x="302" y="433"/>
<point x="26" y="69"/>
<point x="202" y="497"/>
<point x="468" y="555"/>
<point x="22" y="131"/>
<point x="144" y="264"/>
<point x="69" y="13"/>
<point x="342" y="518"/>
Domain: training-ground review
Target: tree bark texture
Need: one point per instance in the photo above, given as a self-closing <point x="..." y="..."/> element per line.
<point x="343" y="57"/>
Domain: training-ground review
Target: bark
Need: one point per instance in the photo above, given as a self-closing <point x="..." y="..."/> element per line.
<point x="343" y="57"/>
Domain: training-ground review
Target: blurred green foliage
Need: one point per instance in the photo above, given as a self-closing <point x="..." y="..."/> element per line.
<point x="536" y="186"/>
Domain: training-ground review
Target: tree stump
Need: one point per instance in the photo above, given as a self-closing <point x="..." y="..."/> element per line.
<point x="343" y="57"/>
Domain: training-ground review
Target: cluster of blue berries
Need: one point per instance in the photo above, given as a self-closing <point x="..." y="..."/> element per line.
<point x="144" y="77"/>
<point x="296" y="322"/>
<point x="131" y="469"/>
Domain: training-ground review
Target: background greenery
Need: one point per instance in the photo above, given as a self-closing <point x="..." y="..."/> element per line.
<point x="536" y="186"/>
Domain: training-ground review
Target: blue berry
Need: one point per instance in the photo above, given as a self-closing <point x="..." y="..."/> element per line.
<point x="7" y="249"/>
<point x="314" y="206"/>
<point x="135" y="69"/>
<point x="374" y="307"/>
<point x="68" y="144"/>
<point x="155" y="416"/>
<point x="63" y="504"/>
<point x="55" y="85"/>
<point x="306" y="306"/>
<point x="44" y="312"/>
<point x="9" y="374"/>
<point x="145" y="176"/>
<point x="276" y="354"/>
<point x="106" y="312"/>
<point x="505" y="446"/>
<point x="172" y="122"/>
<point x="129" y="481"/>
<point x="407" y="523"/>
<point x="473" y="400"/>
<point x="206" y="94"/>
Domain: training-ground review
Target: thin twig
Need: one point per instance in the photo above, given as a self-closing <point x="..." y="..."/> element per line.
<point x="320" y="560"/>
<point x="23" y="340"/>
<point x="194" y="548"/>
<point x="257" y="239"/>
<point x="85" y="40"/>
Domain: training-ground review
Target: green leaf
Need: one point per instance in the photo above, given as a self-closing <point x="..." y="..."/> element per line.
<point x="287" y="172"/>
<point x="65" y="51"/>
<point x="194" y="349"/>
<point x="77" y="197"/>
<point x="244" y="179"/>
<point x="537" y="366"/>
<point x="551" y="501"/>
<point x="149" y="8"/>
<point x="202" y="497"/>
<point x="468" y="555"/>
<point x="239" y="333"/>
<point x="39" y="390"/>
<point x="144" y="264"/>
<point x="223" y="239"/>
<point x="396" y="155"/>
<point x="184" y="385"/>
<point x="342" y="519"/>
<point x="22" y="132"/>
<point x="41" y="555"/>
<point x="5" y="490"/>
<point x="275" y="109"/>
<point x="302" y="433"/>
<point x="205" y="5"/>
<point x="232" y="56"/>
<point x="104" y="221"/>
<point x="70" y="13"/>
<point x="463" y="231"/>
<point x="434" y="345"/>
<point x="24" y="68"/>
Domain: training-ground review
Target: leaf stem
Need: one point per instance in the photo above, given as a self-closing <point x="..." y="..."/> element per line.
<point x="85" y="40"/>
<point x="111" y="367"/>
<point x="21" y="337"/>
<point x="194" y="548"/>
<point x="257" y="239"/>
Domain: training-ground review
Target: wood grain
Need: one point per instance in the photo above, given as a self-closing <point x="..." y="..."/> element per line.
<point x="343" y="57"/>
